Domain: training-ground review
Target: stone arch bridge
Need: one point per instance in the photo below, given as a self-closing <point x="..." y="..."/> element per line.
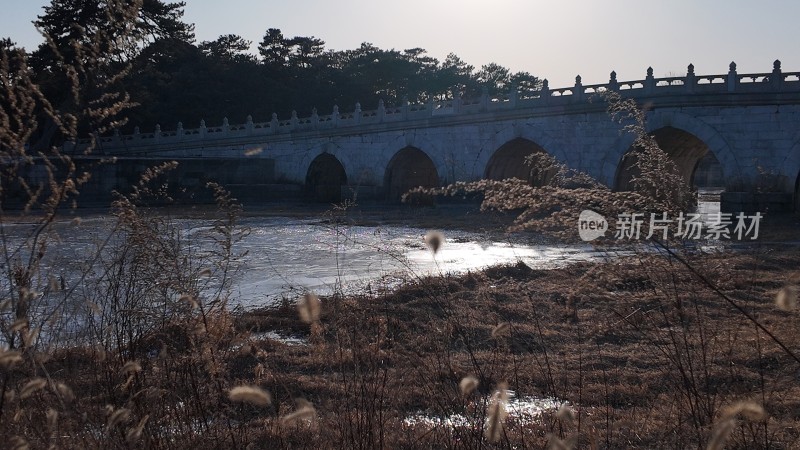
<point x="734" y="132"/>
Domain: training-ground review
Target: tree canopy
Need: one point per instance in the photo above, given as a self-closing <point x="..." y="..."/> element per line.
<point x="172" y="78"/>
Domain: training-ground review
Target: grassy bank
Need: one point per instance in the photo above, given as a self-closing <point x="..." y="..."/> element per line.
<point x="646" y="351"/>
<point x="647" y="354"/>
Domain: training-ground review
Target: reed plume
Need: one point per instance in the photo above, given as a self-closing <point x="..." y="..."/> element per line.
<point x="304" y="411"/>
<point x="468" y="385"/>
<point x="722" y="430"/>
<point x="434" y="240"/>
<point x="746" y="409"/>
<point x="31" y="387"/>
<point x="9" y="357"/>
<point x="250" y="394"/>
<point x="566" y="414"/>
<point x="117" y="417"/>
<point x="309" y="307"/>
<point x="786" y="299"/>
<point x="131" y="367"/>
<point x="725" y="426"/>
<point x="66" y="393"/>
<point x="496" y="413"/>
<point x="134" y="434"/>
<point x="501" y="329"/>
<point x="18" y="443"/>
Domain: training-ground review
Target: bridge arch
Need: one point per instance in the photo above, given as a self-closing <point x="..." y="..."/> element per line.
<point x="797" y="193"/>
<point x="408" y="168"/>
<point x="695" y="161"/>
<point x="703" y="157"/>
<point x="518" y="130"/>
<point x="791" y="166"/>
<point x="510" y="161"/>
<point x="324" y="179"/>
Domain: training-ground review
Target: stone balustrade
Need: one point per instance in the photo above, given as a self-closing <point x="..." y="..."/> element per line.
<point x="774" y="82"/>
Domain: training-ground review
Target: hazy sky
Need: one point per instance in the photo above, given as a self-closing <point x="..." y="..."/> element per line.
<point x="550" y="39"/>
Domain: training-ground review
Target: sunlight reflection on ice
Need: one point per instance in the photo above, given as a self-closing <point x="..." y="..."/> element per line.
<point x="522" y="411"/>
<point x="286" y="257"/>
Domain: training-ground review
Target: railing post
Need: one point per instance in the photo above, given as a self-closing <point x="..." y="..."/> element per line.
<point x="157" y="133"/>
<point x="225" y="126"/>
<point x="613" y="85"/>
<point x="404" y="107"/>
<point x="430" y="106"/>
<point x="690" y="78"/>
<point x="456" y="100"/>
<point x="314" y="118"/>
<point x="733" y="79"/>
<point x="777" y="76"/>
<point x="248" y="126"/>
<point x="335" y="116"/>
<point x="649" y="81"/>
<point x="136" y="134"/>
<point x="202" y="128"/>
<point x="484" y="104"/>
<point x="294" y="120"/>
<point x="357" y="113"/>
<point x="544" y="93"/>
<point x="381" y="110"/>
<point x="179" y="130"/>
<point x="274" y="125"/>
<point x="577" y="91"/>
<point x="513" y="96"/>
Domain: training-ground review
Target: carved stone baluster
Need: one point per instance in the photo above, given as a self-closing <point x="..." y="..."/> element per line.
<point x="381" y="110"/>
<point x="733" y="79"/>
<point x="544" y="93"/>
<point x="649" y="81"/>
<point x="777" y="76"/>
<point x="690" y="80"/>
<point x="456" y="100"/>
<point x="274" y="125"/>
<point x="513" y="96"/>
<point x="613" y="85"/>
<point x="577" y="91"/>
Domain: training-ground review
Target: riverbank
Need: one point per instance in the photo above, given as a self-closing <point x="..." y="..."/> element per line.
<point x="644" y="350"/>
<point x="646" y="353"/>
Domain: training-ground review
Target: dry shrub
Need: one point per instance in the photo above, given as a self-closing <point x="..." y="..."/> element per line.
<point x="554" y="203"/>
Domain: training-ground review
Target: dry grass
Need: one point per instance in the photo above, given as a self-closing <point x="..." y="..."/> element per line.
<point x="644" y="351"/>
<point x="648" y="355"/>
